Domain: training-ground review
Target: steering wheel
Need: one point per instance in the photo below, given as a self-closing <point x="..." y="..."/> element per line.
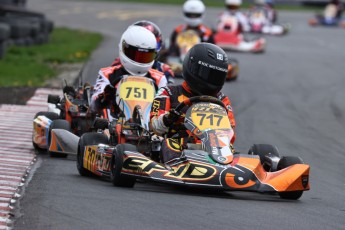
<point x="190" y="101"/>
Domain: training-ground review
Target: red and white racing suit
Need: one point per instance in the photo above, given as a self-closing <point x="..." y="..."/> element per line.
<point x="242" y="19"/>
<point x="168" y="98"/>
<point x="104" y="104"/>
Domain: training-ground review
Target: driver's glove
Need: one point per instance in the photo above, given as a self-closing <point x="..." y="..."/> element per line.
<point x="109" y="92"/>
<point x="170" y="118"/>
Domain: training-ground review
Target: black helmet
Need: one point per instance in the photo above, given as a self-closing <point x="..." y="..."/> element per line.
<point x="205" y="68"/>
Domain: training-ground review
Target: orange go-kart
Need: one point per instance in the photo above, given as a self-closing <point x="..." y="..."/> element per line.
<point x="209" y="162"/>
<point x="134" y="97"/>
<point x="68" y="113"/>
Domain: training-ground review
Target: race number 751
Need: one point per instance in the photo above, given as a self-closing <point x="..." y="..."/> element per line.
<point x="136" y="92"/>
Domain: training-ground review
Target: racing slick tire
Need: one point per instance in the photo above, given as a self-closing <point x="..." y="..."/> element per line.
<point x="58" y="124"/>
<point x="85" y="140"/>
<point x="116" y="177"/>
<point x="268" y="154"/>
<point x="50" y="115"/>
<point x="284" y="163"/>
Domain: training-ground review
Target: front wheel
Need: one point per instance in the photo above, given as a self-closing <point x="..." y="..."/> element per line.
<point x="85" y="140"/>
<point x="116" y="177"/>
<point x="284" y="163"/>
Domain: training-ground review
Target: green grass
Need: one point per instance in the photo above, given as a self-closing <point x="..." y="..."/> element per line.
<point x="31" y="66"/>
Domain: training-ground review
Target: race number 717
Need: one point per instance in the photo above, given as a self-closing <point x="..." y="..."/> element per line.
<point x="210" y="119"/>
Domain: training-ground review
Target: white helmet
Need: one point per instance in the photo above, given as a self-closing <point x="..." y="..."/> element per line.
<point x="193" y="11"/>
<point x="137" y="50"/>
<point x="233" y="2"/>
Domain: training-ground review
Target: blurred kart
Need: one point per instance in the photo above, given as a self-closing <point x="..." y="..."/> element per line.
<point x="187" y="40"/>
<point x="134" y="97"/>
<point x="69" y="113"/>
<point x="210" y="162"/>
<point x="228" y="37"/>
<point x="259" y="23"/>
<point x="328" y="18"/>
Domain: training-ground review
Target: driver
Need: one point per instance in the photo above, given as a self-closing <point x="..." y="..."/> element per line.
<point x="233" y="9"/>
<point x="204" y="73"/>
<point x="160" y="66"/>
<point x="193" y="11"/>
<point x="137" y="51"/>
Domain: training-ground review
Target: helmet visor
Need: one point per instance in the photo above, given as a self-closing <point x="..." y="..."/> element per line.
<point x="215" y="75"/>
<point x="137" y="54"/>
<point x="192" y="15"/>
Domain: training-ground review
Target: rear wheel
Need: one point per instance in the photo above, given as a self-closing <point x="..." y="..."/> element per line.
<point x="284" y="163"/>
<point x="269" y="155"/>
<point x="116" y="177"/>
<point x="58" y="124"/>
<point x="88" y="139"/>
<point x="51" y="116"/>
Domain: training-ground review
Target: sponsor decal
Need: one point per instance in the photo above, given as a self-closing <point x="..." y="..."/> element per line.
<point x="220" y="57"/>
<point x="305" y="181"/>
<point x="190" y="171"/>
<point x="212" y="66"/>
<point x="155" y="107"/>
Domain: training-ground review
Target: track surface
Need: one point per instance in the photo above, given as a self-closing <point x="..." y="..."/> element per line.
<point x="291" y="96"/>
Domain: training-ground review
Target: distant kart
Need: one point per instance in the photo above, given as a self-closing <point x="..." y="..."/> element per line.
<point x="328" y="18"/>
<point x="69" y="113"/>
<point x="228" y="37"/>
<point x="211" y="163"/>
<point x="259" y="23"/>
<point x="134" y="97"/>
<point x="187" y="40"/>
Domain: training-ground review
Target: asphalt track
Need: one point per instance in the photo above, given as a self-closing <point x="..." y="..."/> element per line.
<point x="292" y="96"/>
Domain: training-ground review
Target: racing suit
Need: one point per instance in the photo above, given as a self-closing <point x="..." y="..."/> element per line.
<point x="242" y="19"/>
<point x="166" y="99"/>
<point x="103" y="98"/>
<point x="205" y="34"/>
<point x="160" y="66"/>
<point x="270" y="13"/>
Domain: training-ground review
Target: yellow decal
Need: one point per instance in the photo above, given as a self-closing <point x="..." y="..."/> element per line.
<point x="137" y="92"/>
<point x="204" y="120"/>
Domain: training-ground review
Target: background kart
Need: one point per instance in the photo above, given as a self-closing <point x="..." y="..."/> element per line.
<point x="187" y="40"/>
<point x="328" y="18"/>
<point x="70" y="113"/>
<point x="228" y="37"/>
<point x="259" y="23"/>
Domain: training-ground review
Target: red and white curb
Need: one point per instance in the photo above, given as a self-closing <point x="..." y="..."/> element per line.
<point x="16" y="151"/>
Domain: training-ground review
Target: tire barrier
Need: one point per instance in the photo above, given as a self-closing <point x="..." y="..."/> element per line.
<point x="22" y="27"/>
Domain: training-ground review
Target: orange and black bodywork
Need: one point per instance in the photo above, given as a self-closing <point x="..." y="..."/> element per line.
<point x="213" y="162"/>
<point x="196" y="168"/>
<point x="73" y="107"/>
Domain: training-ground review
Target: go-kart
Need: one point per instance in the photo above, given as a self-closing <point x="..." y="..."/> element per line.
<point x="228" y="37"/>
<point x="259" y="23"/>
<point x="211" y="162"/>
<point x="70" y="113"/>
<point x="134" y="97"/>
<point x="327" y="18"/>
<point x="187" y="40"/>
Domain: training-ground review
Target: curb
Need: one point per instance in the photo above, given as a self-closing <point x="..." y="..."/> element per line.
<point x="17" y="154"/>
